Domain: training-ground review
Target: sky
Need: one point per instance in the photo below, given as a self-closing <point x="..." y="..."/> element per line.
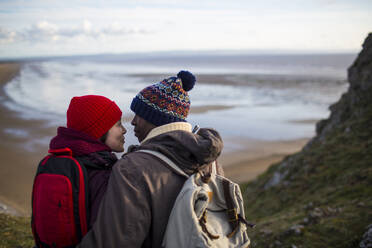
<point x="30" y="28"/>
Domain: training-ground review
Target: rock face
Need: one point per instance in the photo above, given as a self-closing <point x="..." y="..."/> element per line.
<point x="322" y="193"/>
<point x="8" y="210"/>
<point x="352" y="104"/>
<point x="367" y="238"/>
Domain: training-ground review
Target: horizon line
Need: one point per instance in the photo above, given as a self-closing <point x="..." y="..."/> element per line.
<point x="186" y="52"/>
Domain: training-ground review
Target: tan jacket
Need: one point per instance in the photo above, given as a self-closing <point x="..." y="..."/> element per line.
<point x="142" y="189"/>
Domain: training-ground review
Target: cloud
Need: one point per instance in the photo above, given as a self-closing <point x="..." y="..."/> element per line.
<point x="80" y="26"/>
<point x="41" y="31"/>
<point x="117" y="29"/>
<point x="6" y="36"/>
<point x="46" y="31"/>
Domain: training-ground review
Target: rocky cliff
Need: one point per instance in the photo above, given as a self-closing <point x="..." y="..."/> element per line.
<point x="357" y="100"/>
<point x="322" y="196"/>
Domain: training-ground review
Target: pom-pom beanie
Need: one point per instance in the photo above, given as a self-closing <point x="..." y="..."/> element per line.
<point x="93" y="115"/>
<point x="166" y="101"/>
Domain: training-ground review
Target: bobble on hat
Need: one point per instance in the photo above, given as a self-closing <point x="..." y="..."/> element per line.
<point x="93" y="115"/>
<point x="188" y="80"/>
<point x="165" y="102"/>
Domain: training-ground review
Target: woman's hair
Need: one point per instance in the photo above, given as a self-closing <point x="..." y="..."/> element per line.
<point x="103" y="137"/>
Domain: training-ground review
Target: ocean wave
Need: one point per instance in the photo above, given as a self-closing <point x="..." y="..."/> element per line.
<point x="259" y="104"/>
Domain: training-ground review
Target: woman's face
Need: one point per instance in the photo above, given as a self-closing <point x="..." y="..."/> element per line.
<point x="115" y="137"/>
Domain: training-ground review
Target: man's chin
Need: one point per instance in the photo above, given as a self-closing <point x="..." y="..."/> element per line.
<point x="138" y="137"/>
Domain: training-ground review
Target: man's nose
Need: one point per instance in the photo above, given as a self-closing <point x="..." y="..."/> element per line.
<point x="133" y="122"/>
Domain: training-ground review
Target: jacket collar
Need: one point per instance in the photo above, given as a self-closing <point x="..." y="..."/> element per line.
<point x="174" y="126"/>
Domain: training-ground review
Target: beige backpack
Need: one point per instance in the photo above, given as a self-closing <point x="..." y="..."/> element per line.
<point x="208" y="212"/>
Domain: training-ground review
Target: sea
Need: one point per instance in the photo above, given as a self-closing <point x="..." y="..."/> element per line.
<point x="243" y="96"/>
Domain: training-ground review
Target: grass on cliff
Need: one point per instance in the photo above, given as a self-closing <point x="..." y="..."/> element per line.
<point x="15" y="232"/>
<point x="327" y="194"/>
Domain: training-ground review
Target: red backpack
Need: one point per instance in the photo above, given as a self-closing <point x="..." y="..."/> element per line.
<point x="60" y="200"/>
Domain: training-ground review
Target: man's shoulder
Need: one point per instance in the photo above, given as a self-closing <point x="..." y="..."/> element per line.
<point x="140" y="162"/>
<point x="143" y="169"/>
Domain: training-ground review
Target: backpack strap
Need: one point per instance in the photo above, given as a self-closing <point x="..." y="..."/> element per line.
<point x="234" y="218"/>
<point x="166" y="160"/>
<point x="203" y="224"/>
<point x="61" y="151"/>
<point x="231" y="210"/>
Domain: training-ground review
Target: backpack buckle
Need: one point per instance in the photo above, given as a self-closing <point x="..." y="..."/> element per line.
<point x="232" y="214"/>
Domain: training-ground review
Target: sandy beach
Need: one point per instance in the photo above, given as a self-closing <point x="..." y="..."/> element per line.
<point x="256" y="156"/>
<point x="19" y="159"/>
<point x="20" y="156"/>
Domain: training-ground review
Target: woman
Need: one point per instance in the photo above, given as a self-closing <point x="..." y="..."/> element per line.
<point x="94" y="131"/>
<point x="71" y="181"/>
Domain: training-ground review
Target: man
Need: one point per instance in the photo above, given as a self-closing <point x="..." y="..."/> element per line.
<point x="143" y="188"/>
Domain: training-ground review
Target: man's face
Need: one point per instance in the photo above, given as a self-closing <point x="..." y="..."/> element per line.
<point x="141" y="127"/>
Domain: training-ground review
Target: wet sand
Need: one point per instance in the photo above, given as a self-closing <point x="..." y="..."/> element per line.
<point x="255" y="156"/>
<point x="19" y="157"/>
<point x="21" y="152"/>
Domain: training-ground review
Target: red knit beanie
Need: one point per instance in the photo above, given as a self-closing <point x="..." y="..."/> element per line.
<point x="92" y="115"/>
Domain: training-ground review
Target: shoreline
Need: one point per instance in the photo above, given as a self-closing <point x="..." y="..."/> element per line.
<point x="21" y="153"/>
<point x="194" y="110"/>
<point x="256" y="156"/>
<point x="273" y="81"/>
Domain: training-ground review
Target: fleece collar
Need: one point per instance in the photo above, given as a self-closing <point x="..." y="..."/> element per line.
<point x="174" y="126"/>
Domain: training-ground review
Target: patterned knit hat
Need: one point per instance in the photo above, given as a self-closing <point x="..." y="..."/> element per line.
<point x="166" y="101"/>
<point x="92" y="115"/>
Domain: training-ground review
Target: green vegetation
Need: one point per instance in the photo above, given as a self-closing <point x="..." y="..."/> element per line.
<point x="326" y="191"/>
<point x="15" y="232"/>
